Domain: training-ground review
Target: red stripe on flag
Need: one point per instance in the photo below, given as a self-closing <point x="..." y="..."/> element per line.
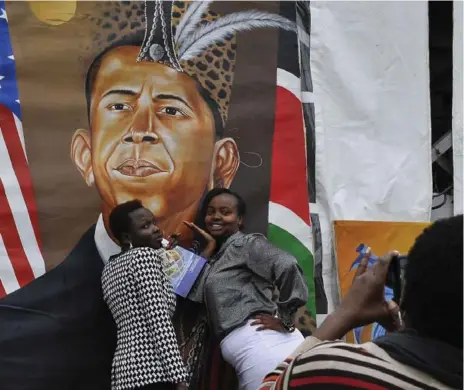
<point x="288" y="180"/>
<point x="20" y="166"/>
<point x="2" y="290"/>
<point x="12" y="241"/>
<point x="336" y="380"/>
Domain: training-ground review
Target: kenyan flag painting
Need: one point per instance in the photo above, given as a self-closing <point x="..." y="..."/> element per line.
<point x="289" y="218"/>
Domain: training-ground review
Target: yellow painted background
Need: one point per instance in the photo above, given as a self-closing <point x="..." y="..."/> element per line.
<point x="382" y="237"/>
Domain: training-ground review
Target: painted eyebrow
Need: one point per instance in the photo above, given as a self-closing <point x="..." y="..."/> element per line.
<point x="133" y="93"/>
<point x="164" y="96"/>
<point x="120" y="92"/>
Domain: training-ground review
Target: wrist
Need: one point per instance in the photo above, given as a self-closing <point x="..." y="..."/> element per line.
<point x="209" y="250"/>
<point x="287" y="322"/>
<point x="346" y="316"/>
<point x="336" y="325"/>
<point x="288" y="325"/>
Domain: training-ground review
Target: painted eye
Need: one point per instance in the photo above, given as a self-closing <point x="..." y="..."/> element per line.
<point x="172" y="111"/>
<point x="120" y="107"/>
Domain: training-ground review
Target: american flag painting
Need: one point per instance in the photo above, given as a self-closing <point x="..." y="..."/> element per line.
<point x="20" y="255"/>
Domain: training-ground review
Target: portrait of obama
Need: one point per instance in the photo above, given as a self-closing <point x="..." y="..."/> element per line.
<point x="156" y="133"/>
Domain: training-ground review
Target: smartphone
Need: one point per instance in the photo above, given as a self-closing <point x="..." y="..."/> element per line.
<point x="395" y="276"/>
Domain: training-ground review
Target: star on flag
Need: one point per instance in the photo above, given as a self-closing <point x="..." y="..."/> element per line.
<point x="9" y="94"/>
<point x="3" y="15"/>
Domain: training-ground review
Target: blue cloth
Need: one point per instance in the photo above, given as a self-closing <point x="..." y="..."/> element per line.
<point x="9" y="95"/>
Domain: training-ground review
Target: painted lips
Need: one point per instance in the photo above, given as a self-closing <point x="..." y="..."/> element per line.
<point x="139" y="168"/>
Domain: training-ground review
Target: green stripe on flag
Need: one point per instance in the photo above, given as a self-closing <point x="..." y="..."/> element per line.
<point x="289" y="243"/>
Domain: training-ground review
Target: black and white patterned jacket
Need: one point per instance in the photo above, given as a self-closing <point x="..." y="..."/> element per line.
<point x="142" y="301"/>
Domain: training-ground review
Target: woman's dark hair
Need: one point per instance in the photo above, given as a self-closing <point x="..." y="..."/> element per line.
<point x="120" y="220"/>
<point x="241" y="205"/>
<point x="433" y="296"/>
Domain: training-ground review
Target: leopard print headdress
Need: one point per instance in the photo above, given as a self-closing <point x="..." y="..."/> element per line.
<point x="189" y="37"/>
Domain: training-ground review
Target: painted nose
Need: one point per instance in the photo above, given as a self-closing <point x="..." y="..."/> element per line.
<point x="143" y="127"/>
<point x="138" y="137"/>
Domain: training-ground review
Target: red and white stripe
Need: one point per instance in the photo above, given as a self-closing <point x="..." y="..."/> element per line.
<point x="289" y="171"/>
<point x="21" y="259"/>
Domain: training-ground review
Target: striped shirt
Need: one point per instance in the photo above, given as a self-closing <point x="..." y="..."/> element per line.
<point x="339" y="365"/>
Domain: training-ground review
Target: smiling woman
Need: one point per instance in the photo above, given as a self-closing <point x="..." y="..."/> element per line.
<point x="256" y="331"/>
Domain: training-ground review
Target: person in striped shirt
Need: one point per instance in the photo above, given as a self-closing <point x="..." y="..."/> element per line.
<point x="424" y="351"/>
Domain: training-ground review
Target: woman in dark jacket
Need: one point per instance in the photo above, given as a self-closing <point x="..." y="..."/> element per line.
<point x="142" y="301"/>
<point x="237" y="288"/>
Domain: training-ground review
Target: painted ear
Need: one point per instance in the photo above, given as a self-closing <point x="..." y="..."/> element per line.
<point x="81" y="155"/>
<point x="225" y="164"/>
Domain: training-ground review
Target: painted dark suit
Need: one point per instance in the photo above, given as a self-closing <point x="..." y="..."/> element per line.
<point x="57" y="332"/>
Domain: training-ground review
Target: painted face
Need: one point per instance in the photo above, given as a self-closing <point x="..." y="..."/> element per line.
<point x="143" y="229"/>
<point x="222" y="219"/>
<point x="152" y="134"/>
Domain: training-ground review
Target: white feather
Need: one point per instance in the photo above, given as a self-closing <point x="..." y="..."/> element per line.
<point x="191" y="18"/>
<point x="193" y="44"/>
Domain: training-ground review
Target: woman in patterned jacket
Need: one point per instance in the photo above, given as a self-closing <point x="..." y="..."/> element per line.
<point x="256" y="331"/>
<point x="142" y="302"/>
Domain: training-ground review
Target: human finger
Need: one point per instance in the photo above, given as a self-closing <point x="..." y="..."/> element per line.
<point x="264" y="316"/>
<point x="364" y="263"/>
<point x="192" y="226"/>
<point x="173" y="240"/>
<point x="173" y="237"/>
<point x="395" y="314"/>
<point x="380" y="268"/>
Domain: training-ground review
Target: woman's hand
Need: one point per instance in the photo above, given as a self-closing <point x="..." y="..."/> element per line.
<point x="266" y="321"/>
<point x="211" y="242"/>
<point x="173" y="240"/>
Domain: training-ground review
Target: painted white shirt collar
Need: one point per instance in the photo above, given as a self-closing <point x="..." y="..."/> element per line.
<point x="105" y="245"/>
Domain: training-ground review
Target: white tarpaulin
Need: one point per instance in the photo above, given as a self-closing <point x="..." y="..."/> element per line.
<point x="370" y="72"/>
<point x="458" y="138"/>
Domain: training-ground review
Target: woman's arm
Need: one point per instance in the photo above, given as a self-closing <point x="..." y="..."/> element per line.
<point x="282" y="269"/>
<point x="151" y="283"/>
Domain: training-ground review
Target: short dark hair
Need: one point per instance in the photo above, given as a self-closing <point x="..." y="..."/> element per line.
<point x="120" y="220"/>
<point x="136" y="39"/>
<point x="241" y="205"/>
<point x="433" y="292"/>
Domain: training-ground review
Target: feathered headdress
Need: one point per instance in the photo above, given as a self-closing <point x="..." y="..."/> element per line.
<point x="191" y="38"/>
